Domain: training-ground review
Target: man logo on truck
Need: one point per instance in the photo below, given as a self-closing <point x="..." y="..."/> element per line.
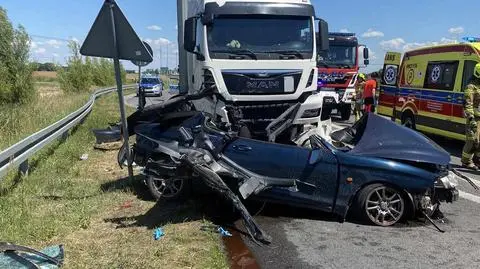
<point x="263" y="84"/>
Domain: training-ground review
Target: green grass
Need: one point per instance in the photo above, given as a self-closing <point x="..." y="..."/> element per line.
<point x="51" y="105"/>
<point x="65" y="201"/>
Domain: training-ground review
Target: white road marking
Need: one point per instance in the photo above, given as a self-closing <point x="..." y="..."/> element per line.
<point x="470" y="197"/>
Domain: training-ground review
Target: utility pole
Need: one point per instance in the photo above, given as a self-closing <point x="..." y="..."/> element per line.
<point x="160" y="58"/>
<point x="167" y="58"/>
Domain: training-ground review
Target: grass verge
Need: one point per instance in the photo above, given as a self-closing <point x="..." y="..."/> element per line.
<point x="103" y="220"/>
<point x="52" y="104"/>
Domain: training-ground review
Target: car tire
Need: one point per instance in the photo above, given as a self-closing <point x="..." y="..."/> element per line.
<point x="408" y="120"/>
<point x="345" y="112"/>
<point x="381" y="205"/>
<point x="168" y="189"/>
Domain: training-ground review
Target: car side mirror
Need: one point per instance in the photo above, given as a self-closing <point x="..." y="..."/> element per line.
<point x="323" y="42"/>
<point x="365" y="53"/>
<point x="190" y="34"/>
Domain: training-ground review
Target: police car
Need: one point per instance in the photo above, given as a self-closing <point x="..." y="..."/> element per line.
<point x="151" y="85"/>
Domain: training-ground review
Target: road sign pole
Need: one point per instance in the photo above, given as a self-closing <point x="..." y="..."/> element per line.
<point x="121" y="100"/>
<point x="141" y="96"/>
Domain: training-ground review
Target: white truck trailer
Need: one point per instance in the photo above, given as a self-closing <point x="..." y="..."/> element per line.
<point x="259" y="57"/>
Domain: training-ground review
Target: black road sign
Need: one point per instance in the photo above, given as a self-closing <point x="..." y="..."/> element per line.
<point x="141" y="63"/>
<point x="102" y="33"/>
<point x="111" y="36"/>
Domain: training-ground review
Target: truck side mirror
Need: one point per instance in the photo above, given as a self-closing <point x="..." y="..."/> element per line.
<point x="190" y="34"/>
<point x="365" y="53"/>
<point x="322" y="36"/>
<point x="366" y="62"/>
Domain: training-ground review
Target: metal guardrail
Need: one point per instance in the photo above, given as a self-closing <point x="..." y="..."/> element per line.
<point x="17" y="155"/>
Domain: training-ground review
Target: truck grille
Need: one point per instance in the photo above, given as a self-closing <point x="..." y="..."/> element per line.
<point x="251" y="113"/>
<point x="251" y="82"/>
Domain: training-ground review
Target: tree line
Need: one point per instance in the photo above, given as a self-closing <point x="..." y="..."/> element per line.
<point x="16" y="81"/>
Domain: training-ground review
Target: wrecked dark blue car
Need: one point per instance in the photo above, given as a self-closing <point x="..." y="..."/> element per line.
<point x="377" y="170"/>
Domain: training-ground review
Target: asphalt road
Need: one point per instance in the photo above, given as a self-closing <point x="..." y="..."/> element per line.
<point x="312" y="239"/>
<point x="132" y="100"/>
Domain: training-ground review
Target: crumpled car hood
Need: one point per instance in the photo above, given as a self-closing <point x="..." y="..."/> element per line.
<point x="383" y="138"/>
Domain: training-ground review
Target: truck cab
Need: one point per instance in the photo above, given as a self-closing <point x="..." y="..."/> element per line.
<point x="258" y="57"/>
<point x="337" y="72"/>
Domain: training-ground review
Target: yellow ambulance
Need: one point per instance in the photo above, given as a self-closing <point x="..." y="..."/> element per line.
<point x="424" y="90"/>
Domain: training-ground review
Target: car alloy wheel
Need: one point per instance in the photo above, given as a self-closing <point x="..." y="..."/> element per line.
<point x="384" y="206"/>
<point x="168" y="188"/>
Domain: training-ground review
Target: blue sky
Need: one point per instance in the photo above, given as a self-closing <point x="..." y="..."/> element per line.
<point x="381" y="25"/>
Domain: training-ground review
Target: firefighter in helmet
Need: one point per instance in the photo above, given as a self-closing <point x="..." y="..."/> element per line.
<point x="357" y="96"/>
<point x="471" y="150"/>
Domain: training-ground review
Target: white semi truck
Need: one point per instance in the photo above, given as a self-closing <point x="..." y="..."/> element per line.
<point x="259" y="57"/>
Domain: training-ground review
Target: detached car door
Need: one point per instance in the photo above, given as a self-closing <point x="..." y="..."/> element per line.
<point x="285" y="161"/>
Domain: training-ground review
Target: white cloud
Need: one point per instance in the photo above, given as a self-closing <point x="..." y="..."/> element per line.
<point x="414" y="45"/>
<point x="54" y="54"/>
<point x="392" y="44"/>
<point x="157" y="43"/>
<point x="344" y="30"/>
<point x="40" y="51"/>
<point x="372" y="33"/>
<point x="456" y="30"/>
<point x="445" y="40"/>
<point x="154" y="28"/>
<point x="33" y="44"/>
<point x="54" y="43"/>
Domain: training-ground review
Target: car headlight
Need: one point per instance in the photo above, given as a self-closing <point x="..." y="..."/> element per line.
<point x="311" y="113"/>
<point x="449" y="181"/>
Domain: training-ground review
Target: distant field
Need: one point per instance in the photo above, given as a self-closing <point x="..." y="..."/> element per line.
<point x="45" y="74"/>
<point x="132" y="76"/>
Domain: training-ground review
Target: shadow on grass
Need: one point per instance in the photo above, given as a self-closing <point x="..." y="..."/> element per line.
<point x="203" y="204"/>
<point x="135" y="185"/>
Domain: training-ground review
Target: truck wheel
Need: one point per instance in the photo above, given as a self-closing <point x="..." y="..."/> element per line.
<point x="381" y="205"/>
<point x="167" y="188"/>
<point x="345" y="112"/>
<point x="408" y="121"/>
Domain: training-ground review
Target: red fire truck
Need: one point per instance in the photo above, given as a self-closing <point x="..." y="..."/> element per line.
<point x="337" y="72"/>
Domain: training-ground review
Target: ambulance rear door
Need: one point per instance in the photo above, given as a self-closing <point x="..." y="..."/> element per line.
<point x="388" y="87"/>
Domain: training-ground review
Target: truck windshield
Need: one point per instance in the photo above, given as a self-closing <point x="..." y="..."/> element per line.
<point x="261" y="37"/>
<point x="343" y="56"/>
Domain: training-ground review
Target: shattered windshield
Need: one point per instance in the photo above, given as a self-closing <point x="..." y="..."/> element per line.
<point x="338" y="56"/>
<point x="262" y="36"/>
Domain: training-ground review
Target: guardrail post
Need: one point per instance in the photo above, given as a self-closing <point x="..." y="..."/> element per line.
<point x="64" y="136"/>
<point x="23" y="168"/>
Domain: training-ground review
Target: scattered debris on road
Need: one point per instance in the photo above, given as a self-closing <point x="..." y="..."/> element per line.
<point x="158" y="233"/>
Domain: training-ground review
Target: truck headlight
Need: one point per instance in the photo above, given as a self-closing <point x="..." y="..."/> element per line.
<point x="311" y="113"/>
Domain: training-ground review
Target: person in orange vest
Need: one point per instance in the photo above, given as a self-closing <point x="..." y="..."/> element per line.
<point x="369" y="93"/>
